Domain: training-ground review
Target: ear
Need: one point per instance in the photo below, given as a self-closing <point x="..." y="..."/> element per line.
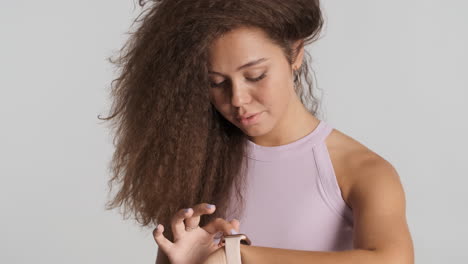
<point x="298" y="47"/>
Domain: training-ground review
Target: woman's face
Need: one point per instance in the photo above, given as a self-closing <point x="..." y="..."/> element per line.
<point x="250" y="75"/>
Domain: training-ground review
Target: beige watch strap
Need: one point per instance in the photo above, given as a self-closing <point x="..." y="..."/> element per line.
<point x="232" y="247"/>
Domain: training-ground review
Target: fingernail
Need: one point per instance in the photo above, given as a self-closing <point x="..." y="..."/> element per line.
<point x="186" y="210"/>
<point x="234" y="232"/>
<point x="209" y="206"/>
<point x="156" y="230"/>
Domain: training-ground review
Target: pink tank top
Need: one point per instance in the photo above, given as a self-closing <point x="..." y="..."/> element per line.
<point x="293" y="200"/>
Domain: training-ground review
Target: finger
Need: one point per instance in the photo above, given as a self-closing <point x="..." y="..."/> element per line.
<point x="236" y="224"/>
<point x="162" y="242"/>
<point x="220" y="225"/>
<point x="177" y="223"/>
<point x="198" y="210"/>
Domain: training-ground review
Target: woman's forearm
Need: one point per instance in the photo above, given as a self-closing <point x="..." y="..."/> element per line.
<point x="259" y="255"/>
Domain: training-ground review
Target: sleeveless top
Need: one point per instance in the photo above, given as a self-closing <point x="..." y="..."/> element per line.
<point x="292" y="197"/>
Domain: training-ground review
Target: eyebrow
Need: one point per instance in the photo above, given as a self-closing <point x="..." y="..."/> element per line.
<point x="248" y="64"/>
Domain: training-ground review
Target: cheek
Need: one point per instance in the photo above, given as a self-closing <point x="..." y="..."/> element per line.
<point x="274" y="95"/>
<point x="219" y="102"/>
<point x="215" y="98"/>
<point x="219" y="96"/>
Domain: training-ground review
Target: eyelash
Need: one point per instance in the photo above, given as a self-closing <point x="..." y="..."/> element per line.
<point x="253" y="80"/>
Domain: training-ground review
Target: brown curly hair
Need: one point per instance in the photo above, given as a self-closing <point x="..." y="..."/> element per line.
<point x="173" y="149"/>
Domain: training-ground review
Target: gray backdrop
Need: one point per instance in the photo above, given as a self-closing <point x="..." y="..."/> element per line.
<point x="393" y="75"/>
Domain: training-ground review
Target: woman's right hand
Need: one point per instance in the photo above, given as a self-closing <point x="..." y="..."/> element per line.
<point x="193" y="246"/>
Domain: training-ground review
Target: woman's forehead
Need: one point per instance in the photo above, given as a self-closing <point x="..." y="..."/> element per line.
<point x="237" y="50"/>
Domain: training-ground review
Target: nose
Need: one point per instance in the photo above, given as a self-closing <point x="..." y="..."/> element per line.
<point x="239" y="94"/>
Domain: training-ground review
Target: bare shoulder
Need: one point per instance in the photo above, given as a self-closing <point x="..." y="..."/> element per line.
<point x="350" y="158"/>
<point x="371" y="186"/>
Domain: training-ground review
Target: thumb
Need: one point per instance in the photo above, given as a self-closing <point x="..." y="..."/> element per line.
<point x="162" y="242"/>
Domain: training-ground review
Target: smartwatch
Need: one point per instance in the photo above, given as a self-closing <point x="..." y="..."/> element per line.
<point x="232" y="247"/>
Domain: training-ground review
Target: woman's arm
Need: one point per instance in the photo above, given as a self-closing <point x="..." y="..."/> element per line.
<point x="259" y="255"/>
<point x="381" y="234"/>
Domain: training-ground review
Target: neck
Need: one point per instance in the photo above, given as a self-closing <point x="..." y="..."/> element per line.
<point x="296" y="123"/>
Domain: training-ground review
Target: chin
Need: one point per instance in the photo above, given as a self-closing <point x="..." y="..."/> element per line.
<point x="259" y="129"/>
<point x="256" y="131"/>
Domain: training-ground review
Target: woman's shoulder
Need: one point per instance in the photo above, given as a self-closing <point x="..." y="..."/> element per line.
<point x="349" y="158"/>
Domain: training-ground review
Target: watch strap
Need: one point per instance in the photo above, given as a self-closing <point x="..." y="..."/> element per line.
<point x="232" y="247"/>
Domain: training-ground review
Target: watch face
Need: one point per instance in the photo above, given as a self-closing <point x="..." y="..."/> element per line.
<point x="243" y="239"/>
<point x="245" y="242"/>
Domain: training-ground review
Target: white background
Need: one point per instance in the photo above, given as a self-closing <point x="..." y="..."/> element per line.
<point x="394" y="76"/>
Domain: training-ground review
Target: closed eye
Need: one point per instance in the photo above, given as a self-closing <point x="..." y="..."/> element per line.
<point x="252" y="80"/>
<point x="258" y="78"/>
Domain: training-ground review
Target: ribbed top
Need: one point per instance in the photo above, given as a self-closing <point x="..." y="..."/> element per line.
<point x="293" y="149"/>
<point x="293" y="199"/>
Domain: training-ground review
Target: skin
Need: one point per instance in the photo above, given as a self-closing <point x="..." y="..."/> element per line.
<point x="191" y="246"/>
<point x="284" y="118"/>
<point x="368" y="183"/>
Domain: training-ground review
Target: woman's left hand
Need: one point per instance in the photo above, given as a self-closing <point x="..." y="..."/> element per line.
<point x="193" y="245"/>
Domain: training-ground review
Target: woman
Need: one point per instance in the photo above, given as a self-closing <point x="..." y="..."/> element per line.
<point x="210" y="109"/>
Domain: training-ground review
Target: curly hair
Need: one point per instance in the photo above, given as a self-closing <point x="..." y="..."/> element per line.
<point x="172" y="148"/>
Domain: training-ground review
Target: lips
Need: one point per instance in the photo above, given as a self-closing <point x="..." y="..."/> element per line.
<point x="246" y="116"/>
<point x="250" y="120"/>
